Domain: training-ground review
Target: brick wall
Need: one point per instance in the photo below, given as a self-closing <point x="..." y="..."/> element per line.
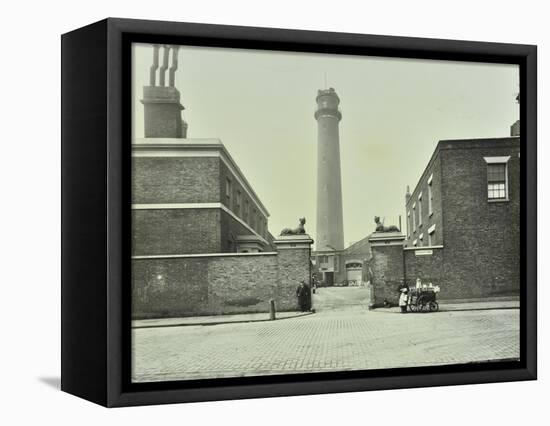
<point x="162" y="120"/>
<point x="386" y="265"/>
<point x="175" y="180"/>
<point x="212" y="285"/>
<point x="429" y="268"/>
<point x="482" y="245"/>
<point x="176" y="231"/>
<point x="169" y="287"/>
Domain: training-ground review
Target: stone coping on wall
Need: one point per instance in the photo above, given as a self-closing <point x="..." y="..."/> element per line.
<point x="386" y="238"/>
<point x="176" y="256"/>
<point x="295" y="241"/>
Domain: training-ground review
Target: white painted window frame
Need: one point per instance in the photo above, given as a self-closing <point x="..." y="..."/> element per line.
<point x="420" y="210"/>
<point x="431" y="231"/>
<point x="228" y="190"/>
<point x="414" y="217"/>
<point x="498" y="160"/>
<point x="430" y="195"/>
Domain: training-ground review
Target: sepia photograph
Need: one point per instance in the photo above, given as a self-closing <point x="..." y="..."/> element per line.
<point x="302" y="213"/>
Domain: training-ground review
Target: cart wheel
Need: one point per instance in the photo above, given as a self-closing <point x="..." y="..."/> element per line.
<point x="434" y="306"/>
<point x="420" y="304"/>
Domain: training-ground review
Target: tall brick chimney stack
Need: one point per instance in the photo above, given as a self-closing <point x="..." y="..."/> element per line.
<point x="407" y="195"/>
<point x="161" y="102"/>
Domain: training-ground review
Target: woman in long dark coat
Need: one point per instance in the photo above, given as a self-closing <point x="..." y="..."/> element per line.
<point x="304" y="296"/>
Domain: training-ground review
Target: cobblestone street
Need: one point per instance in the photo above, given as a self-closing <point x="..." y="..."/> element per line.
<point x="331" y="340"/>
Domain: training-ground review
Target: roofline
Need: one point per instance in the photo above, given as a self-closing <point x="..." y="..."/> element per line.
<point x="442" y="142"/>
<point x="362" y="240"/>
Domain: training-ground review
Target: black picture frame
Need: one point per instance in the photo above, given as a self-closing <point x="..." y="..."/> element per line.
<point x="96" y="211"/>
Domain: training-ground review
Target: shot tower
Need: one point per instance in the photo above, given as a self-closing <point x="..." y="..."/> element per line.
<point x="330" y="223"/>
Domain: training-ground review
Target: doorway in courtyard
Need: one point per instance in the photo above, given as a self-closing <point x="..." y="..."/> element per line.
<point x="354" y="273"/>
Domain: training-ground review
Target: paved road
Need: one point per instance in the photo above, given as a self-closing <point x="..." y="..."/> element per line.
<point x="330" y="340"/>
<point x="339" y="298"/>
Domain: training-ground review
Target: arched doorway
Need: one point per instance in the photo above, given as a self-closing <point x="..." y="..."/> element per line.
<point x="354" y="272"/>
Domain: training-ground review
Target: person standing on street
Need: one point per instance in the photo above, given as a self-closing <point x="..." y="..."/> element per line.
<point x="403" y="300"/>
<point x="303" y="294"/>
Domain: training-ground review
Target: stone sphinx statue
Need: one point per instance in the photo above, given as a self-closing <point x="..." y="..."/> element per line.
<point x="381" y="228"/>
<point x="296" y="231"/>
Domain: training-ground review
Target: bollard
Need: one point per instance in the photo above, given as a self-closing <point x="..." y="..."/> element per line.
<point x="271" y="309"/>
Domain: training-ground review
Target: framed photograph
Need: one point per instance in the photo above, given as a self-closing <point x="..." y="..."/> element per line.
<point x="255" y="212"/>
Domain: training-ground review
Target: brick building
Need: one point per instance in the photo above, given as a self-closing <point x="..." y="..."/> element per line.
<point x="200" y="243"/>
<point x="462" y="229"/>
<point x="200" y="239"/>
<point x="462" y="219"/>
<point x="189" y="196"/>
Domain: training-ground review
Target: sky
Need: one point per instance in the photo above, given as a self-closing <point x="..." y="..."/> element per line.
<point x="260" y="104"/>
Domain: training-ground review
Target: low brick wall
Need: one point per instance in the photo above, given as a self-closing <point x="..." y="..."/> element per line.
<point x="386" y="265"/>
<point x="217" y="284"/>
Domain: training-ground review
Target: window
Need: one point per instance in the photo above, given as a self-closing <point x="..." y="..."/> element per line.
<point x="430" y="195"/>
<point x="253" y="220"/>
<point x="431" y="234"/>
<point x="414" y="217"/>
<point x="421" y="238"/>
<point x="246" y="210"/>
<point x="261" y="225"/>
<point x="228" y="192"/>
<point x="238" y="203"/>
<point x="408" y="224"/>
<point x="496" y="181"/>
<point x="497" y="178"/>
<point x="420" y="210"/>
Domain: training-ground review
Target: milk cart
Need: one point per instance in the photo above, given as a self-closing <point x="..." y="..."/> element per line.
<point x="423" y="299"/>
